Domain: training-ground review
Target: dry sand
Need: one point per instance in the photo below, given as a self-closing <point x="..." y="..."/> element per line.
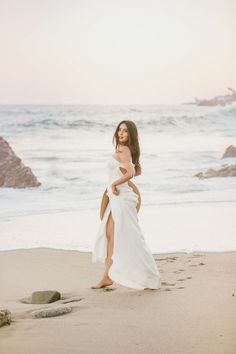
<point x="193" y="312"/>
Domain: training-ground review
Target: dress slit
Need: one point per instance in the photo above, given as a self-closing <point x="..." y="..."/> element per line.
<point x="110" y="213"/>
<point x="133" y="263"/>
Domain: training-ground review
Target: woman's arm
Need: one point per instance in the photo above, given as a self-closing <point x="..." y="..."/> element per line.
<point x="126" y="161"/>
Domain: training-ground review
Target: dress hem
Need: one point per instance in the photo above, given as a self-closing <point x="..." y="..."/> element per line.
<point x="130" y="284"/>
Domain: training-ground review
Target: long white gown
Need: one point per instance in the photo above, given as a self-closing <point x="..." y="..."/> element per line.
<point x="133" y="263"/>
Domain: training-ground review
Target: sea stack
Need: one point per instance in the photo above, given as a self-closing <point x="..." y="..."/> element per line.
<point x="13" y="173"/>
<point x="229" y="152"/>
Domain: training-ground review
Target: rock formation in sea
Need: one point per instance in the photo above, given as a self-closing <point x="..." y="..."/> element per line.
<point x="229" y="152"/>
<point x="218" y="100"/>
<point x="227" y="171"/>
<point x="13" y="173"/>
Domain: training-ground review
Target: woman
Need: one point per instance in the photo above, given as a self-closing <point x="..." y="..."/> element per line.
<point x="120" y="242"/>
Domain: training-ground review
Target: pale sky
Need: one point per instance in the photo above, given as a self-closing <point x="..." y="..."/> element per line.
<point x="116" y="51"/>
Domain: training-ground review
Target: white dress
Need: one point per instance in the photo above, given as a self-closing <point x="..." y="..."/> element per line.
<point x="133" y="263"/>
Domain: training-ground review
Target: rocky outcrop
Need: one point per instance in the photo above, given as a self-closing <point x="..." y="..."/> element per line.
<point x="227" y="171"/>
<point x="5" y="317"/>
<point x="218" y="100"/>
<point x="229" y="152"/>
<point x="51" y="312"/>
<point x="13" y="173"/>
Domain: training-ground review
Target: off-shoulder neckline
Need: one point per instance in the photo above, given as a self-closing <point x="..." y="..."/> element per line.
<point x="121" y="162"/>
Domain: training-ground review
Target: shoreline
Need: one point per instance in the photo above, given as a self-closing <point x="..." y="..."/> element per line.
<point x="85" y="251"/>
<point x="167" y="229"/>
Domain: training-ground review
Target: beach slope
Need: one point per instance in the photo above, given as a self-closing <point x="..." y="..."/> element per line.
<point x="192" y="312"/>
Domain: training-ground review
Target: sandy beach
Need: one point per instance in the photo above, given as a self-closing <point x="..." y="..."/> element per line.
<point x="192" y="312"/>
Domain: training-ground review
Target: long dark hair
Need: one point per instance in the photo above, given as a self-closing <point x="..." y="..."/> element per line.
<point x="132" y="143"/>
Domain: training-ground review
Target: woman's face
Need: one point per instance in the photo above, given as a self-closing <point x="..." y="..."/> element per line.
<point x="123" y="134"/>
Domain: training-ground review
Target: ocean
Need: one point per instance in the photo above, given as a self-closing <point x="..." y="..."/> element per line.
<point x="68" y="147"/>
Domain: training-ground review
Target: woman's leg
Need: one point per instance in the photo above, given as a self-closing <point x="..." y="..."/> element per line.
<point x="106" y="280"/>
<point x="110" y="244"/>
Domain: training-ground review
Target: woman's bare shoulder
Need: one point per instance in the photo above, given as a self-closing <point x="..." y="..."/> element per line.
<point x="125" y="154"/>
<point x="123" y="149"/>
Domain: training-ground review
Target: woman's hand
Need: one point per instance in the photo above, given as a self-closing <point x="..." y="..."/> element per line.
<point x="114" y="189"/>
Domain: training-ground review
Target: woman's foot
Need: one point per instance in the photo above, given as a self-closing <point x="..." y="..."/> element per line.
<point x="102" y="283"/>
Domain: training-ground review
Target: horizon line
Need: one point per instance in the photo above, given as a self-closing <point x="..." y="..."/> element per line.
<point x="93" y="104"/>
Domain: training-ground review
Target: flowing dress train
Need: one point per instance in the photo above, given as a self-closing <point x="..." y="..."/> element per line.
<point x="133" y="263"/>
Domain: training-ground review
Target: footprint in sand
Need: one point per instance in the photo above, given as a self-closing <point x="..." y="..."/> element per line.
<point x="182" y="279"/>
<point x="168" y="289"/>
<point x="179" y="271"/>
<point x="198" y="255"/>
<point x="168" y="259"/>
<point x="165" y="283"/>
<point x="108" y="289"/>
<point x="195" y="265"/>
<point x="171" y="259"/>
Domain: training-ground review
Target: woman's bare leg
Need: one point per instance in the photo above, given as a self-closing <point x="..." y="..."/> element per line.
<point x="106" y="280"/>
